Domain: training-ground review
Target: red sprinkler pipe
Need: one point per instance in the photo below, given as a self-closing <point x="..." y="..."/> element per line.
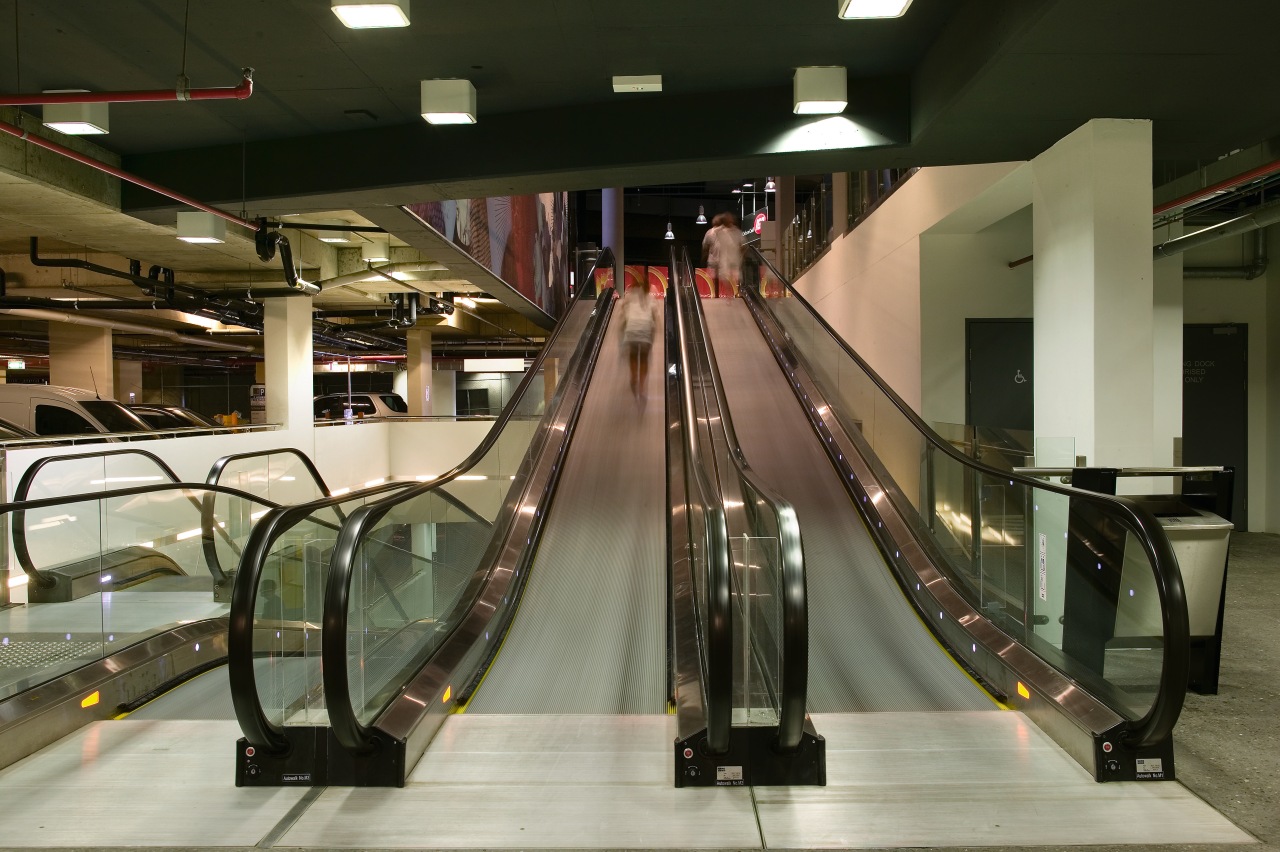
<point x="41" y="142"/>
<point x="183" y="92"/>
<point x="1220" y="186"/>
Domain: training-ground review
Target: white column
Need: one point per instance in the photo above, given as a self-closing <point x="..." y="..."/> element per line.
<point x="1093" y="292"/>
<point x="80" y="357"/>
<point x="288" y="361"/>
<point x="611" y="228"/>
<point x="418" y="359"/>
<point x="1167" y="351"/>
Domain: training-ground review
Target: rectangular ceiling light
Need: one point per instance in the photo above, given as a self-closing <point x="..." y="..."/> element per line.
<point x="340" y="237"/>
<point x="371" y="14"/>
<point x="640" y="83"/>
<point x="448" y="101"/>
<point x="820" y="91"/>
<point x="76" y="119"/>
<point x="196" y="226"/>
<point x="376" y="250"/>
<point x="850" y="9"/>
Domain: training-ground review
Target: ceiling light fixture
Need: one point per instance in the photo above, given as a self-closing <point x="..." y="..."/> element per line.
<point x="770" y="186"/>
<point x="637" y="83"/>
<point x="820" y="90"/>
<point x="196" y="226"/>
<point x="76" y="119"/>
<point x="376" y="250"/>
<point x="669" y="235"/>
<point x="339" y="237"/>
<point x="702" y="216"/>
<point x="371" y="14"/>
<point x="852" y="9"/>
<point x="465" y="301"/>
<point x="448" y="102"/>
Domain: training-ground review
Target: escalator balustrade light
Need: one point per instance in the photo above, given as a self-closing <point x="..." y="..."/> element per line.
<point x="91" y="699"/>
<point x="1023" y="691"/>
<point x="448" y="693"/>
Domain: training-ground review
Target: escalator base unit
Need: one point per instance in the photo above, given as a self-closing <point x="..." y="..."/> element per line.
<point x="752" y="760"/>
<point x="315" y="758"/>
<point x="1114" y="761"/>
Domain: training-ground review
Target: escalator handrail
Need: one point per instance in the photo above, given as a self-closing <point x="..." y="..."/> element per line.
<point x="257" y="728"/>
<point x="343" y="719"/>
<point x="19" y="510"/>
<point x="20" y="551"/>
<point x="718" y="629"/>
<point x="1159" y="721"/>
<point x="795" y="607"/>
<point x="215" y="471"/>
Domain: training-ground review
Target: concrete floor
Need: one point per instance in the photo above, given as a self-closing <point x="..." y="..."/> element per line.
<point x="1227" y="753"/>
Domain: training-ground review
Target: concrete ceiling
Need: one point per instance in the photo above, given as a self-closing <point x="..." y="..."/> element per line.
<point x="333" y="127"/>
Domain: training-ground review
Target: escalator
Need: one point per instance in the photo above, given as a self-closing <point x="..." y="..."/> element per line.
<point x="931" y="574"/>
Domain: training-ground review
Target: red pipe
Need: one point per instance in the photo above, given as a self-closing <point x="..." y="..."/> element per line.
<point x="181" y="93"/>
<point x="41" y="142"/>
<point x="1229" y="183"/>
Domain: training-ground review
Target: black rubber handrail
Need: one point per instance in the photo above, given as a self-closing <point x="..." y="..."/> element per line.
<point x="213" y="477"/>
<point x="20" y="551"/>
<point x="795" y="608"/>
<point x="18" y="511"/>
<point x="343" y="718"/>
<point x="1158" y="723"/>
<point x="717" y="638"/>
<point x="215" y="472"/>
<point x="257" y="728"/>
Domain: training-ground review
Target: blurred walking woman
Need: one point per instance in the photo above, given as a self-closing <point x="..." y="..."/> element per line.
<point x="639" y="316"/>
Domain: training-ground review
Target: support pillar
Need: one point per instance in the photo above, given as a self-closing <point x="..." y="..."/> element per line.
<point x="128" y="381"/>
<point x="611" y="229"/>
<point x="80" y="357"/>
<point x="839" y="205"/>
<point x="1093" y="292"/>
<point x="1167" y="354"/>
<point x="288" y="361"/>
<point x="418" y="359"/>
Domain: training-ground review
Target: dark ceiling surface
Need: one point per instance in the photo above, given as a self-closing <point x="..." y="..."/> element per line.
<point x="333" y="122"/>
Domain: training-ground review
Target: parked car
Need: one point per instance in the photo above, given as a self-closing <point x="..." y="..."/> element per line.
<point x="333" y="406"/>
<point x="169" y="416"/>
<point x="54" y="410"/>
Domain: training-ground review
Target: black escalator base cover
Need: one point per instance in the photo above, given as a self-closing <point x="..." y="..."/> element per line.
<point x="752" y="761"/>
<point x="315" y="758"/>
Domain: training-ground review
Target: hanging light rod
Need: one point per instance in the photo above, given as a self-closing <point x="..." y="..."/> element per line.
<point x="182" y="92"/>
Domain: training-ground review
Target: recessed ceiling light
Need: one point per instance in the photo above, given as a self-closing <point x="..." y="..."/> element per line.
<point x="340" y="237"/>
<point x="448" y="101"/>
<point x="641" y="83"/>
<point x="371" y="14"/>
<point x="820" y="90"/>
<point x="376" y="250"/>
<point x="850" y="9"/>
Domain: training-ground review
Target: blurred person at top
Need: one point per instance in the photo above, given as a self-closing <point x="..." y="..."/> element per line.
<point x="639" y="316"/>
<point x="722" y="251"/>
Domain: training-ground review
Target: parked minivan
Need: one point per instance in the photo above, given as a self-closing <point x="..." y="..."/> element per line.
<point x="54" y="410"/>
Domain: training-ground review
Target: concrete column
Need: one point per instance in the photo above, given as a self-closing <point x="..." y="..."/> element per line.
<point x="128" y="380"/>
<point x="611" y="228"/>
<point x="1167" y="353"/>
<point x="418" y="359"/>
<point x="80" y="357"/>
<point x="288" y="361"/>
<point x="1093" y="292"/>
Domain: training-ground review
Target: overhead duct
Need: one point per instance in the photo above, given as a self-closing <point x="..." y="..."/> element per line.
<point x="1248" y="272"/>
<point x="130" y="327"/>
<point x="1258" y="217"/>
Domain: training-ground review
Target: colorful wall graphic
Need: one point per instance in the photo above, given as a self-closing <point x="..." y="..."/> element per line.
<point x="523" y="239"/>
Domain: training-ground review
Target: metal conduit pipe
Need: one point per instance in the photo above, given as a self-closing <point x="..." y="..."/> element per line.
<point x="1258" y="217"/>
<point x="380" y="271"/>
<point x="118" y="325"/>
<point x="1248" y="272"/>
<point x="181" y="92"/>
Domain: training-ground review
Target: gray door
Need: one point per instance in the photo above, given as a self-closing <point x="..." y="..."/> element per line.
<point x="999" y="373"/>
<point x="1215" y="404"/>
